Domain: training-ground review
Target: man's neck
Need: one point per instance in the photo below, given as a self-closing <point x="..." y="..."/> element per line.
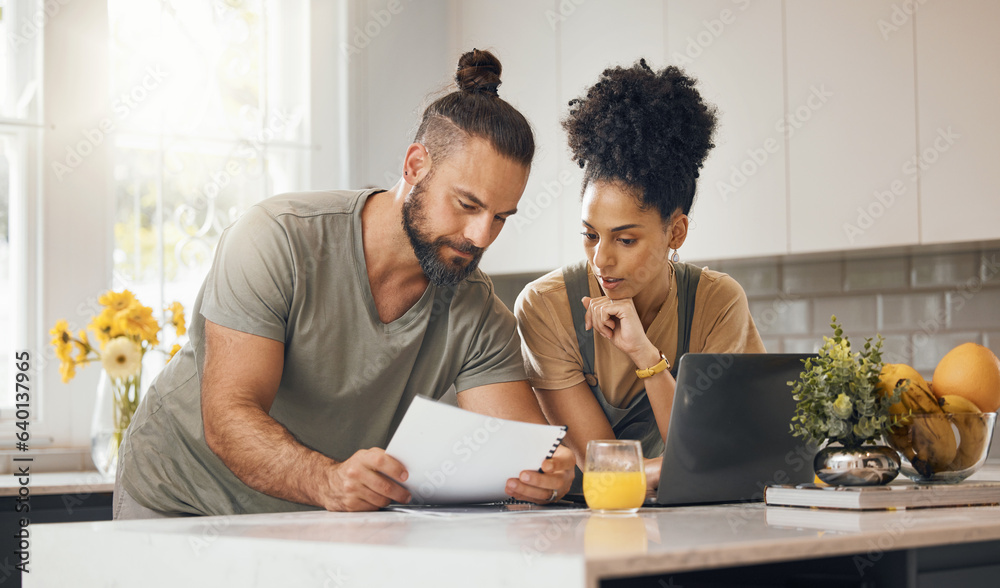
<point x="394" y="274"/>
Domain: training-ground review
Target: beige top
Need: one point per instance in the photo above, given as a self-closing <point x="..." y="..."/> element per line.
<point x="722" y="324"/>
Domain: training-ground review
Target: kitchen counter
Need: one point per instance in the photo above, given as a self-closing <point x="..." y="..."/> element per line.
<point x="59" y="483"/>
<point x="534" y="548"/>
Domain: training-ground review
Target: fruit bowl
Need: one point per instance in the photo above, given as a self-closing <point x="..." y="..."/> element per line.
<point x="943" y="448"/>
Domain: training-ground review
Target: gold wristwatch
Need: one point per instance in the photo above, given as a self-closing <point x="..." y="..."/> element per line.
<point x="663" y="365"/>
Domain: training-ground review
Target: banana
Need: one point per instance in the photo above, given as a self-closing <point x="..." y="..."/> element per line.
<point x="929" y="444"/>
<point x="934" y="445"/>
<point x="893" y="374"/>
<point x="972" y="430"/>
<point x="917" y="396"/>
<point x="954" y="403"/>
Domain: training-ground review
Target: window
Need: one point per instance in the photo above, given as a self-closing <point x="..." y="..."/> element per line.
<point x="208" y="112"/>
<point x="211" y="106"/>
<point x="20" y="128"/>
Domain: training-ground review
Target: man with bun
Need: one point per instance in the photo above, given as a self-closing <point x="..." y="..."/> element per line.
<point x="325" y="313"/>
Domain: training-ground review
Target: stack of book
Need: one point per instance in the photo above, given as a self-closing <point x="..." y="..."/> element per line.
<point x="860" y="508"/>
<point x="891" y="496"/>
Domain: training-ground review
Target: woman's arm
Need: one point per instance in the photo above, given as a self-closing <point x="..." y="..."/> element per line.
<point x="617" y="321"/>
<point x="577" y="409"/>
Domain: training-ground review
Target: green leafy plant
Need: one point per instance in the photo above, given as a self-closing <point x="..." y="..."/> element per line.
<point x="837" y="394"/>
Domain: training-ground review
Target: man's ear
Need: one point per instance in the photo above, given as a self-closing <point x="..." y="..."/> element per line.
<point x="678" y="230"/>
<point x="416" y="164"/>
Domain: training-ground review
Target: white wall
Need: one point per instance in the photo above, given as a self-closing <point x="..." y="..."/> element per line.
<point x="76" y="205"/>
<point x="399" y="54"/>
<point x="552" y="49"/>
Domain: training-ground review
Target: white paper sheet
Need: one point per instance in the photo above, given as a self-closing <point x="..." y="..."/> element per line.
<point x="454" y="456"/>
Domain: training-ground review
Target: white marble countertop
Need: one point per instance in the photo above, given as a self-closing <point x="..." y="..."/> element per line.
<point x="536" y="548"/>
<point x="58" y="483"/>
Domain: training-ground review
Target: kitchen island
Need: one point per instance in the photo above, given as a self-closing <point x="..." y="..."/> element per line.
<point x="543" y="547"/>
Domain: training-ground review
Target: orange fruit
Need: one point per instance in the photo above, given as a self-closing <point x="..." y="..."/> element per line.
<point x="972" y="372"/>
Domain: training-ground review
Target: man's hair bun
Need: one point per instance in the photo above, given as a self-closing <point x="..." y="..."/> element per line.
<point x="475" y="110"/>
<point x="478" y="72"/>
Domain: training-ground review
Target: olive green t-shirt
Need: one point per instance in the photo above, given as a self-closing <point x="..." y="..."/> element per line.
<point x="292" y="269"/>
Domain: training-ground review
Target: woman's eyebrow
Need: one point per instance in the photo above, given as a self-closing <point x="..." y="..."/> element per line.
<point x="617" y="229"/>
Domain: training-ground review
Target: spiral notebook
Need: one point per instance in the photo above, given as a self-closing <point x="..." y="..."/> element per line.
<point x="455" y="456"/>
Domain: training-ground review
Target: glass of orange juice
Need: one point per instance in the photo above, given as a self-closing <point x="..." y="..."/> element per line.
<point x="614" y="481"/>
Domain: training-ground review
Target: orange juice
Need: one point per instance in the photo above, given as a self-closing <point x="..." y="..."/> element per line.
<point x="614" y="490"/>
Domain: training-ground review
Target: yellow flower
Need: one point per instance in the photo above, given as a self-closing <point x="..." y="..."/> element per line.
<point x="118" y="301"/>
<point x="62" y="340"/>
<point x="138" y="321"/>
<point x="123" y="331"/>
<point x="122" y="358"/>
<point x="176" y="310"/>
<point x="103" y="326"/>
<point x="173" y="351"/>
<point x="83" y="347"/>
<point x="68" y="370"/>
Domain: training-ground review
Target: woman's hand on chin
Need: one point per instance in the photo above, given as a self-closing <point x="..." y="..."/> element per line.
<point x="618" y="321"/>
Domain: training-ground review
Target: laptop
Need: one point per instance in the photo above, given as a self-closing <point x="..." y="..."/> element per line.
<point x="729" y="433"/>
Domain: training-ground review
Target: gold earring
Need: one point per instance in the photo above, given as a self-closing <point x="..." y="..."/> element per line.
<point x="675" y="257"/>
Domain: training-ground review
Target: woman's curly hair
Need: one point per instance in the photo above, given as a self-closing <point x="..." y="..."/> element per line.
<point x="648" y="130"/>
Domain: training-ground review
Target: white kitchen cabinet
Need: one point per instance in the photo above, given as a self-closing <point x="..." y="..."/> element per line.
<point x="850" y="125"/>
<point x="734" y="49"/>
<point x="520" y="35"/>
<point x="592" y="37"/>
<point x="958" y="95"/>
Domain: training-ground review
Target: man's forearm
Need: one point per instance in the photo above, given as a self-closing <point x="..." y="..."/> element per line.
<point x="268" y="458"/>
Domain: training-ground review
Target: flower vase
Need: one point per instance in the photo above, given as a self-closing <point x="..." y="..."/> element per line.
<point x="117" y="399"/>
<point x="867" y="465"/>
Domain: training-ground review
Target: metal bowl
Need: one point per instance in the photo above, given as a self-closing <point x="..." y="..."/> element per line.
<point x="868" y="465"/>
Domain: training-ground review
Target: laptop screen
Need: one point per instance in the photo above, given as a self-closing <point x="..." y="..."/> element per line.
<point x="729" y="433"/>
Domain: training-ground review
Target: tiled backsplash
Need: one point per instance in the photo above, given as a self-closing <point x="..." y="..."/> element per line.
<point x="923" y="304"/>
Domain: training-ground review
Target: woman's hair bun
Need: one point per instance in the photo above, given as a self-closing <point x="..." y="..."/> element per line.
<point x="478" y="71"/>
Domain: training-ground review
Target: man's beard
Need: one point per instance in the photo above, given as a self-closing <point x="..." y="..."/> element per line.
<point x="439" y="270"/>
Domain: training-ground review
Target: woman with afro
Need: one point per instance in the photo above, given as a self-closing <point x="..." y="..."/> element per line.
<point x="599" y="337"/>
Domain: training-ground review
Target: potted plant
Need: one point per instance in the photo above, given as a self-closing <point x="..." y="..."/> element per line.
<point x="839" y="404"/>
